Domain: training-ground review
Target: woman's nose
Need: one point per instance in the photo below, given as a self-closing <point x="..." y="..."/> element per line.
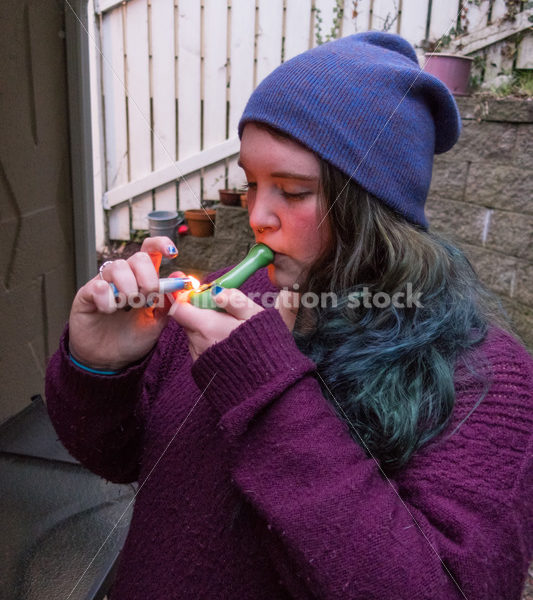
<point x="261" y="212"/>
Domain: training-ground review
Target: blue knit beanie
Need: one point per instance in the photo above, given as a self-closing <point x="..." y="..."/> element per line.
<point x="363" y="104"/>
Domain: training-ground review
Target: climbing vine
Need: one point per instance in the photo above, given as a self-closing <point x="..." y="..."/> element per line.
<point x="338" y="15"/>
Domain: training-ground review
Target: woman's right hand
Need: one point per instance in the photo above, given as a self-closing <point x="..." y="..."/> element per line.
<point x="103" y="336"/>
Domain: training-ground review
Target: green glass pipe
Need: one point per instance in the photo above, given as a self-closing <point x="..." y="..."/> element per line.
<point x="259" y="256"/>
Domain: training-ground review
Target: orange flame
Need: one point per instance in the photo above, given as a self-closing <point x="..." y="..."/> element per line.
<point x="195" y="283"/>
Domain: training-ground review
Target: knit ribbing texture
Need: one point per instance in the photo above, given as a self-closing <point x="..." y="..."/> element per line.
<point x="363" y="104"/>
<point x="253" y="488"/>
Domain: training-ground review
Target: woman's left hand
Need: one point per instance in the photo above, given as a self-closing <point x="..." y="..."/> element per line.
<point x="206" y="327"/>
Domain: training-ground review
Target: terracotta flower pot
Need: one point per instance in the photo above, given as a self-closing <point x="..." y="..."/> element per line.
<point x="201" y="221"/>
<point x="452" y="70"/>
<point x="244" y="200"/>
<point x="230" y="197"/>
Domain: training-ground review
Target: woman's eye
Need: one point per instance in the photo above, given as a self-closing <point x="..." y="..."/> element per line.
<point x="292" y="195"/>
<point x="251" y="186"/>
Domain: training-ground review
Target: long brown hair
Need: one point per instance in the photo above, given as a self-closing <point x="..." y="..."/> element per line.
<point x="389" y="371"/>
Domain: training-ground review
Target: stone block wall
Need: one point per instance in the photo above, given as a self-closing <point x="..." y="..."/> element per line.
<point x="230" y="244"/>
<point x="481" y="198"/>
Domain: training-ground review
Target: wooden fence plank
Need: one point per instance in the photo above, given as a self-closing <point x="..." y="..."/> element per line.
<point x="324" y="11"/>
<point x="241" y="80"/>
<point x="348" y="26"/>
<point x="138" y="94"/>
<point x="185" y="166"/>
<point x="498" y="60"/>
<point x="413" y="21"/>
<point x="476" y="16"/>
<point x="443" y="18"/>
<point x="215" y="90"/>
<point x="524" y="58"/>
<point x="499" y="10"/>
<point x="297" y="28"/>
<point x="163" y="87"/>
<point x="385" y="15"/>
<point x="106" y="5"/>
<point x="116" y="144"/>
<point x="270" y="17"/>
<point x="360" y="15"/>
<point x="493" y="33"/>
<point x="189" y="103"/>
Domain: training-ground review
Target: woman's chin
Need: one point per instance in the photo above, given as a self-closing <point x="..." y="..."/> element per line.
<point x="281" y="278"/>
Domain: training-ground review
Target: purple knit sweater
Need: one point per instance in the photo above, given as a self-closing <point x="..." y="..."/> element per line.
<point x="252" y="488"/>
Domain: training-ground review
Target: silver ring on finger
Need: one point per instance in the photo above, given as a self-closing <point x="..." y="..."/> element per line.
<point x="102" y="267"/>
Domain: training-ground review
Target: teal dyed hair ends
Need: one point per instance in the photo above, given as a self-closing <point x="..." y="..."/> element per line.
<point x="390" y="371"/>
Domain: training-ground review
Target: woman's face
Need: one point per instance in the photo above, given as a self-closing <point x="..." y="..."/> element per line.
<point x="283" y="202"/>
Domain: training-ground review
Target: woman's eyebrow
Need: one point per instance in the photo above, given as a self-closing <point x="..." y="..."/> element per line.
<point x="286" y="174"/>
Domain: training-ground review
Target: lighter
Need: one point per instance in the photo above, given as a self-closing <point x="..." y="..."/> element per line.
<point x="168" y="284"/>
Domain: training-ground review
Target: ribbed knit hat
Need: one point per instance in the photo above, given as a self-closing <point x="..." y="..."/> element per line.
<point x="363" y="104"/>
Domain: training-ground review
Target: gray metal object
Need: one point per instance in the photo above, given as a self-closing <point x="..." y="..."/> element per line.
<point x="62" y="526"/>
<point x="164" y="222"/>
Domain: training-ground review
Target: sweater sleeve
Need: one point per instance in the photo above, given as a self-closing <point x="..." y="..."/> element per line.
<point x="334" y="527"/>
<point x="97" y="417"/>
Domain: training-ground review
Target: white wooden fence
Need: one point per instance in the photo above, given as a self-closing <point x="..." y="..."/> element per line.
<point x="170" y="78"/>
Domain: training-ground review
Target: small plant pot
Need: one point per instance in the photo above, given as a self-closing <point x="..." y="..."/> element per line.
<point x="201" y="221"/>
<point x="164" y="222"/>
<point x="244" y="200"/>
<point x="229" y="197"/>
<point x="452" y="70"/>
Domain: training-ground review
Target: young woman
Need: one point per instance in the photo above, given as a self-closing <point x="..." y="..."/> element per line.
<point x="374" y="445"/>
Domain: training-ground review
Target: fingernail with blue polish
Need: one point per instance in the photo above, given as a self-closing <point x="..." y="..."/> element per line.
<point x="216" y="289"/>
<point x="172" y="250"/>
<point x="113" y="288"/>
